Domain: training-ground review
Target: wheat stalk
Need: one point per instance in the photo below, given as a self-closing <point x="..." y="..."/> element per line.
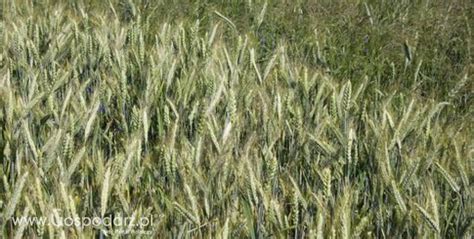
<point x="104" y="196"/>
<point x="15" y="199"/>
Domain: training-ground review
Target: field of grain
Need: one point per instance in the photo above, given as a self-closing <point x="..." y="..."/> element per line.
<point x="237" y="119"/>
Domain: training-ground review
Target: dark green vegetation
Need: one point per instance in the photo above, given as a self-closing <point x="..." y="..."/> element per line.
<point x="239" y="119"/>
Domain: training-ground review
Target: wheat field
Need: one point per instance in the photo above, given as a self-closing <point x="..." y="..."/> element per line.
<point x="237" y="119"/>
